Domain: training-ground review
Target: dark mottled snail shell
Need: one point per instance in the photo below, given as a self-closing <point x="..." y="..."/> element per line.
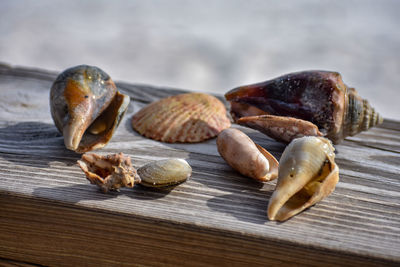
<point x="319" y="97"/>
<point x="86" y="107"/>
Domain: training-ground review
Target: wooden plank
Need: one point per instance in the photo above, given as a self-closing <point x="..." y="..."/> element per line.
<point x="50" y="212"/>
<point x="13" y="263"/>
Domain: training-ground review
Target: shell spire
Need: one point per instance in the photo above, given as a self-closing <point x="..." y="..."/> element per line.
<point x="360" y="116"/>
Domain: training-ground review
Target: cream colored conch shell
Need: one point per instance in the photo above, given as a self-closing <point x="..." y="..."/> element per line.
<point x="245" y="156"/>
<point x="307" y="174"/>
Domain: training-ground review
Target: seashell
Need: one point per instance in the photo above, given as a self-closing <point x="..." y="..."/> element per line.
<point x="165" y="173"/>
<point x="86" y="107"/>
<point x="248" y="158"/>
<point x="279" y="127"/>
<point x="319" y="97"/>
<point x="109" y="172"/>
<point x="307" y="174"/>
<point x="191" y="117"/>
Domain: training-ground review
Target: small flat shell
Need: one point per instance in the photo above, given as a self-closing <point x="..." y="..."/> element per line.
<point x="185" y="118"/>
<point x="109" y="172"/>
<point x="165" y="173"/>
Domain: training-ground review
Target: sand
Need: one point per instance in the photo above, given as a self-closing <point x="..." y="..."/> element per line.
<point x="211" y="46"/>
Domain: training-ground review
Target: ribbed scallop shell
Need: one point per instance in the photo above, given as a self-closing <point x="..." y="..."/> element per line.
<point x="185" y="118"/>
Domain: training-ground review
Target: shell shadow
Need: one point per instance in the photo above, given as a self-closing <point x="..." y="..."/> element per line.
<point x="79" y="192"/>
<point x="242" y="206"/>
<point x="34" y="144"/>
<point x="245" y="198"/>
<point x="140" y="192"/>
<point x="73" y="193"/>
<point x="128" y="124"/>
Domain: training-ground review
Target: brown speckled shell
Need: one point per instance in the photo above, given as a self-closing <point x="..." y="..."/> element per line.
<point x="192" y="117"/>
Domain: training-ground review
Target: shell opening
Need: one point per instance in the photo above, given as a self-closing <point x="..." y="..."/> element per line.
<point x="101" y="130"/>
<point x="307" y="192"/>
<point x="109" y="172"/>
<point x="271" y="165"/>
<point x="296" y="191"/>
<point x="101" y="168"/>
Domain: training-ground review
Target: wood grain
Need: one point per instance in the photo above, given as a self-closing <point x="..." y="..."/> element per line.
<point x="51" y="215"/>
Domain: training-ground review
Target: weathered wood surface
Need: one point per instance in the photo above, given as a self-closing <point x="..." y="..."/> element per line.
<point x="51" y="215"/>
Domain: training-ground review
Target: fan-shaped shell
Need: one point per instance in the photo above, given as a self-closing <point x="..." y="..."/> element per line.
<point x="191" y="117"/>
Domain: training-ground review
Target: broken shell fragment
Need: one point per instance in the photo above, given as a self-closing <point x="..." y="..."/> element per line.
<point x="307" y="174"/>
<point x="165" y="173"/>
<point x="109" y="172"/>
<point x="319" y="97"/>
<point x="279" y="127"/>
<point x="86" y="107"/>
<point x="248" y="158"/>
<point x="192" y="117"/>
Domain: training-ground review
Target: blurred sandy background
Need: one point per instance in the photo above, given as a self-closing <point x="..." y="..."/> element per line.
<point x="211" y="46"/>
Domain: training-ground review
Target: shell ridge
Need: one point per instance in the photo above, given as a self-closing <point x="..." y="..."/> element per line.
<point x="182" y="118"/>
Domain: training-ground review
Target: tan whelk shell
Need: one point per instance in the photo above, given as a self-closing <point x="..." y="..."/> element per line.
<point x="165" y="173"/>
<point x="191" y="117"/>
<point x="307" y="174"/>
<point x="86" y="107"/>
<point x="248" y="158"/>
<point x="109" y="172"/>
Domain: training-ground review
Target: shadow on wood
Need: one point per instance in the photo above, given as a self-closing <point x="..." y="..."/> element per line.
<point x="34" y="144"/>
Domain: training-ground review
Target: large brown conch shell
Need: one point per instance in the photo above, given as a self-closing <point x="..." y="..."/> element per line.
<point x="191" y="117"/>
<point x="317" y="98"/>
<point x="307" y="174"/>
<point x="86" y="107"/>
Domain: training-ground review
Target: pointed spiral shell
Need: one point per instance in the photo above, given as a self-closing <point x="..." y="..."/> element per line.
<point x="319" y="97"/>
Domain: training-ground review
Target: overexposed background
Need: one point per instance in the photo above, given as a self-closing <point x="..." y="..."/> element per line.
<point x="211" y="46"/>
